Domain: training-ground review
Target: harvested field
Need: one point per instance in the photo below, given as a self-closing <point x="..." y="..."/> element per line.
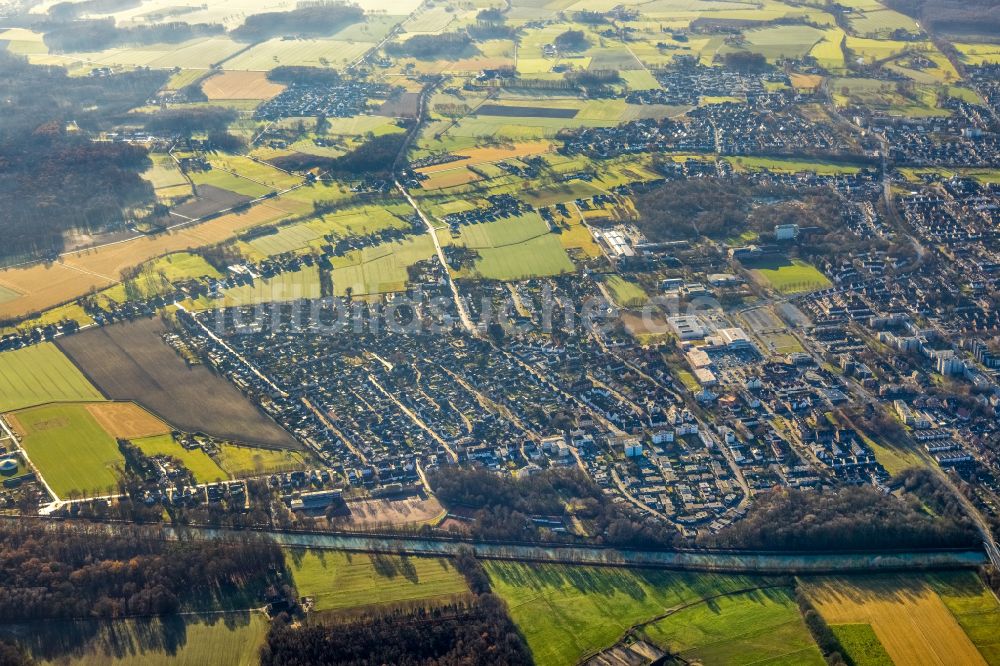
<point x="240" y="85"/>
<point x="908" y="617"/>
<point x="525" y="111"/>
<point x="126" y="420"/>
<point x="404" y="105"/>
<point x="131" y="362"/>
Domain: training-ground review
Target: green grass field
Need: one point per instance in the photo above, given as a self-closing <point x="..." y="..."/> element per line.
<point x="39" y="374"/>
<point x="792" y="277"/>
<point x="232" y="639"/>
<point x="157" y="276"/>
<point x="514" y="248"/>
<point x="975" y="608"/>
<point x="626" y="294"/>
<point x="566" y="612"/>
<point x="352" y="222"/>
<point x="70" y="449"/>
<point x="341" y="581"/>
<point x="241" y="461"/>
<point x="199" y="463"/>
<point x="748" y="628"/>
<point x="861" y="644"/>
<point x="230" y="182"/>
<point x="289" y="286"/>
<point x="748" y="163"/>
<point x="380" y="269"/>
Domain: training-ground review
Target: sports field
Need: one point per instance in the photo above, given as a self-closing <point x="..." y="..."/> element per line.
<point x="916" y="619"/>
<point x="566" y="612"/>
<point x="340" y="581"/>
<point x="791" y="277"/>
<point x="39" y="374"/>
<point x="200" y="464"/>
<point x="70" y="448"/>
<point x="763" y="626"/>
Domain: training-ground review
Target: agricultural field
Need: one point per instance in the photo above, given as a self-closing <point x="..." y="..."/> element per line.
<point x="230" y="639"/>
<point x="71" y="450"/>
<point x="126" y="420"/>
<point x="200" y="464"/>
<point x="880" y="23"/>
<point x="381" y="268"/>
<point x="164" y="173"/>
<point x="44" y="286"/>
<point x="762" y="626"/>
<point x="885" y="96"/>
<point x="290" y="286"/>
<point x="341" y="581"/>
<point x="978" y="54"/>
<point x="240" y="85"/>
<point x="829" y="52"/>
<point x="566" y="612"/>
<point x="514" y="248"/>
<point x="157" y="276"/>
<point x="298" y="52"/>
<point x="201" y="53"/>
<point x="861" y="644"/>
<point x="790" y="277"/>
<point x="230" y="182"/>
<point x="941" y="617"/>
<point x="131" y="362"/>
<point x="41" y="374"/>
<point x="310" y="234"/>
<point x="785" y="41"/>
<point x="777" y="165"/>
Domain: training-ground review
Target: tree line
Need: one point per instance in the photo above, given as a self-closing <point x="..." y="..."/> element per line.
<point x="846" y="518"/>
<point x="502" y="508"/>
<point x="54" y="571"/>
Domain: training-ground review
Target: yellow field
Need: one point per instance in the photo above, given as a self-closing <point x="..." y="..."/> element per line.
<point x="493" y="154"/>
<point x="450" y="178"/>
<point x="908" y="617"/>
<point x="126" y="420"/>
<point x="43" y="286"/>
<point x="240" y="85"/>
